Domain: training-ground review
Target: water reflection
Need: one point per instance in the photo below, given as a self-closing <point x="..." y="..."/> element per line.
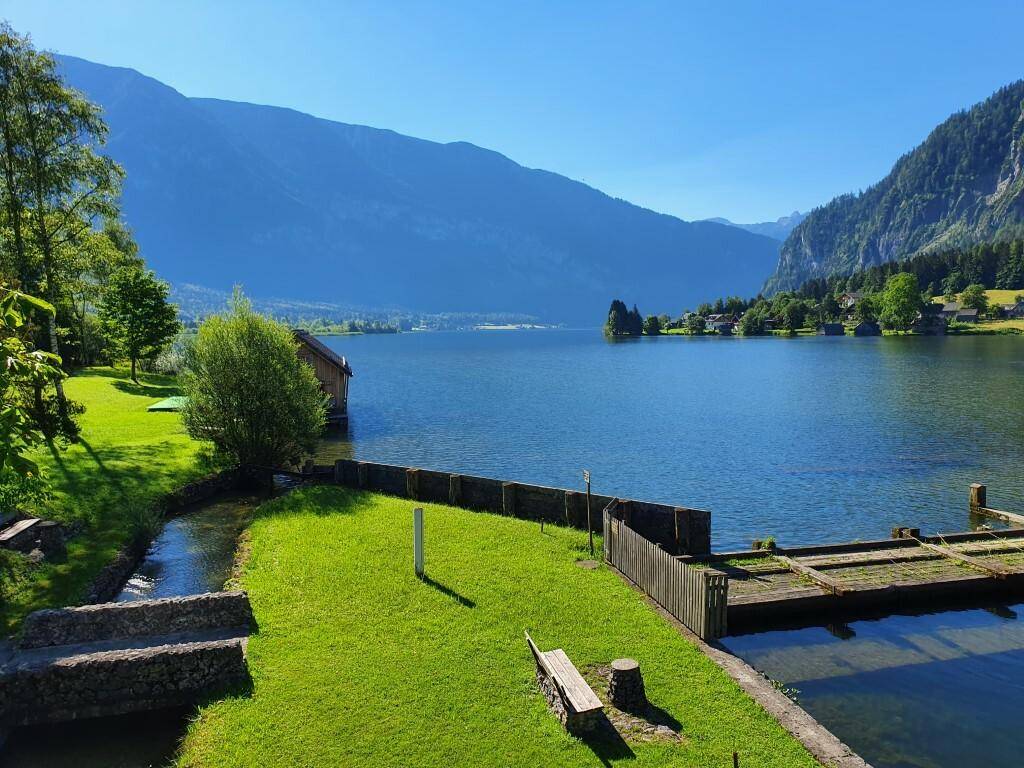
<point x="935" y="690"/>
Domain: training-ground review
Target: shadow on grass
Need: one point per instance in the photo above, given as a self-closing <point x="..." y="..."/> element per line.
<point x="657" y="716"/>
<point x="448" y="591"/>
<point x="145" y="390"/>
<point x="607" y="743"/>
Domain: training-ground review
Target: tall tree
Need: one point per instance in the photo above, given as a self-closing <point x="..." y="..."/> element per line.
<point x="901" y="301"/>
<point x="59" y="183"/>
<point x="136" y="314"/>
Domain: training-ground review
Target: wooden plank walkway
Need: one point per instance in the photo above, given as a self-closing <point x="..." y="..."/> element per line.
<point x="786" y="587"/>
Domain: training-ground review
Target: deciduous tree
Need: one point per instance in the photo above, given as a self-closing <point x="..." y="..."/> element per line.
<point x="135" y="313"/>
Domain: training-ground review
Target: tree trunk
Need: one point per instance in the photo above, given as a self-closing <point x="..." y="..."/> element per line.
<point x="135" y="378"/>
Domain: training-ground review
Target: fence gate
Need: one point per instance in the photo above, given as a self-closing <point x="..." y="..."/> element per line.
<point x="698" y="597"/>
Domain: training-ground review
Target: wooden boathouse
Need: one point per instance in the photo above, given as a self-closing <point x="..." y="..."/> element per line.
<point x="332" y="370"/>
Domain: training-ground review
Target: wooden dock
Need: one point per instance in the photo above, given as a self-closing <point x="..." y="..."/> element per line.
<point x="788" y="587"/>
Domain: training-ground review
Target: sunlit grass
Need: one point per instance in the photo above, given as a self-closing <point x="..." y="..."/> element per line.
<point x="126" y="460"/>
<point x="359" y="663"/>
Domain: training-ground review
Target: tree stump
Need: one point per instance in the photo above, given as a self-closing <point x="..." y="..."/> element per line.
<point x="626" y="686"/>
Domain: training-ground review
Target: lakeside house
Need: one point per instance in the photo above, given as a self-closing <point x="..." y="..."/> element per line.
<point x="332" y="371"/>
<point x="722" y="323"/>
<point x="832" y="329"/>
<point x="929" y="325"/>
<point x="867" y="328"/>
<point x="966" y="316"/>
<point x="1013" y="311"/>
<point x="849" y="299"/>
<point x="949" y="310"/>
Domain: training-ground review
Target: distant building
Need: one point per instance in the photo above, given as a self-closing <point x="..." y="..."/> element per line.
<point x="929" y="325"/>
<point x="967" y="316"/>
<point x="725" y="329"/>
<point x="1013" y="311"/>
<point x="849" y="299"/>
<point x="331" y="369"/>
<point x="949" y="310"/>
<point x="867" y="328"/>
<point x="720" y="323"/>
<point x="832" y="329"/>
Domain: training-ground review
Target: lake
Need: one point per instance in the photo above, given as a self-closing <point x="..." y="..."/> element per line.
<point x="933" y="691"/>
<point x="810" y="439"/>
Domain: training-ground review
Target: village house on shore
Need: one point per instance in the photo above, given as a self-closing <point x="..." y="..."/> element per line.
<point x="331" y="369"/>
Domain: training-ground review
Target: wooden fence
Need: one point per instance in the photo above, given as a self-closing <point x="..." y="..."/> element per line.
<point x="698" y="597"/>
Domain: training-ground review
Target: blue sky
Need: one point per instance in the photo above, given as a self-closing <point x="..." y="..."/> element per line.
<point x="745" y="110"/>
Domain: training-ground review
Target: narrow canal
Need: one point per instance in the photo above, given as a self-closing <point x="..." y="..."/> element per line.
<point x="940" y="690"/>
<point x="193" y="553"/>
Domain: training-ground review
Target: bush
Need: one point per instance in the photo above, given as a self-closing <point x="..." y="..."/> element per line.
<point x="247" y="391"/>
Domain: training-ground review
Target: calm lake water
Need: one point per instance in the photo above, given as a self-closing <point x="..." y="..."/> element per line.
<point x="934" y="691"/>
<point x="808" y="439"/>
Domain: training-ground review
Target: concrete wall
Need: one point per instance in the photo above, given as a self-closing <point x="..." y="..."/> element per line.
<point x="678" y="530"/>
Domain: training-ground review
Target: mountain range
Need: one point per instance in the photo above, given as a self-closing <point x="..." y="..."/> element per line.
<point x="963" y="185"/>
<point x="290" y="205"/>
<point x="777" y="230"/>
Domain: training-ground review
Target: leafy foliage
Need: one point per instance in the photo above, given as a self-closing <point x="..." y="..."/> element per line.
<point x="21" y="368"/>
<point x="136" y="315"/>
<point x="247" y="391"/>
<point x="900" y="301"/>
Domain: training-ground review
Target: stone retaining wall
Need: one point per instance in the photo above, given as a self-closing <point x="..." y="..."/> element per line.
<point x="115" y="682"/>
<point x="143" y="618"/>
<point x="679" y="530"/>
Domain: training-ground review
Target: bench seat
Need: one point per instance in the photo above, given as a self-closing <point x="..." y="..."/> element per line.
<point x="568" y="694"/>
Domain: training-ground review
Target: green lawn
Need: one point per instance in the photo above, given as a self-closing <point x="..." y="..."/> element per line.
<point x="359" y="663"/>
<point x="125" y="461"/>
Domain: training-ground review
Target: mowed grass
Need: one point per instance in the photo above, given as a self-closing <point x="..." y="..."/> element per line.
<point x="359" y="663"/>
<point x="125" y="461"/>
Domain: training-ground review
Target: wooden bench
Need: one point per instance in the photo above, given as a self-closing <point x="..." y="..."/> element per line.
<point x="567" y="693"/>
<point x="9" y="536"/>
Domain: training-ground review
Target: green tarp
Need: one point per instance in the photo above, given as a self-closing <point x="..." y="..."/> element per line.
<point x="170" y="404"/>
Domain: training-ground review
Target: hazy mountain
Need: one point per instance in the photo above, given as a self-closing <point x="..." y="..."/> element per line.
<point x="777" y="230"/>
<point x="963" y="185"/>
<point x="295" y="206"/>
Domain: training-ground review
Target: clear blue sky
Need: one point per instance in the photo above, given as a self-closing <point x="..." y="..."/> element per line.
<point x="741" y="109"/>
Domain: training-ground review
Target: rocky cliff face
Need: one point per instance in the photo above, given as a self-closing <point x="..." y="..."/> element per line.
<point x="963" y="185"/>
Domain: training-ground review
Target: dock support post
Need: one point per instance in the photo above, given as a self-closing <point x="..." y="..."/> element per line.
<point x="571" y="507"/>
<point x="362" y="474"/>
<point x="455" y="490"/>
<point x="339" y="472"/>
<point x="978" y="498"/>
<point x="412" y="483"/>
<point x="508" y="499"/>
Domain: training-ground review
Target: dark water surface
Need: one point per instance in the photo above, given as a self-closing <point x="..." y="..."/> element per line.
<point x="809" y="439"/>
<point x="934" y="691"/>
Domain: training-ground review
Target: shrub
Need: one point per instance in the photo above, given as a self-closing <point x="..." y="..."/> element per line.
<point x="247" y="392"/>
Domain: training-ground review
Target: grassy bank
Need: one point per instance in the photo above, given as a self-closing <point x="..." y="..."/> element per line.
<point x="125" y="461"/>
<point x="357" y="662"/>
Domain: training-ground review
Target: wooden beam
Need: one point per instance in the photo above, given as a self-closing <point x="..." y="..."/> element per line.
<point x="1010" y="517"/>
<point x="813" y="574"/>
<point x="999" y="571"/>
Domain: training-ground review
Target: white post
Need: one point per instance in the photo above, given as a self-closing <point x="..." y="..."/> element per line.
<point x="417" y="540"/>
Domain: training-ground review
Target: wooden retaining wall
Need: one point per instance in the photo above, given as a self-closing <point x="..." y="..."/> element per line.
<point x="678" y="530"/>
<point x="698" y="597"/>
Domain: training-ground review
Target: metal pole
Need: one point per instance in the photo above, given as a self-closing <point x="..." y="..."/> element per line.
<point x="417" y="540"/>
<point x="590" y="525"/>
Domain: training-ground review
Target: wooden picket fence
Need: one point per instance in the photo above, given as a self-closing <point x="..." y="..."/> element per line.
<point x="698" y="597"/>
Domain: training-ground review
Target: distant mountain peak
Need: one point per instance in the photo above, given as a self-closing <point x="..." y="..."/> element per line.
<point x="777" y="230"/>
